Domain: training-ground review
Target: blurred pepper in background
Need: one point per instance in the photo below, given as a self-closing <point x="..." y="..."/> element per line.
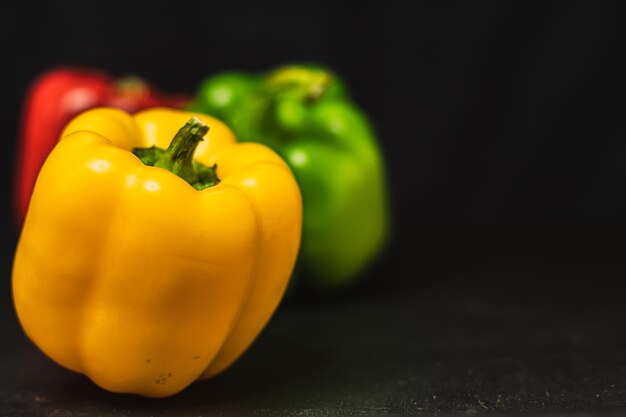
<point x="59" y="95"/>
<point x="304" y="114"/>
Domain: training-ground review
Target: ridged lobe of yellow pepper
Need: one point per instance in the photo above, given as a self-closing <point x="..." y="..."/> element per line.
<point x="129" y="275"/>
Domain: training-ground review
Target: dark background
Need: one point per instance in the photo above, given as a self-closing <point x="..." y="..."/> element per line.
<point x="504" y="130"/>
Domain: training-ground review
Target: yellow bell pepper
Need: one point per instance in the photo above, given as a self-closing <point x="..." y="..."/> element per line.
<point x="132" y="276"/>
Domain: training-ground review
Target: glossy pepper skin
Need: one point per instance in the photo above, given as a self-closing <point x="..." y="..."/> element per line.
<point x="59" y="95"/>
<point x="305" y="115"/>
<point x="127" y="274"/>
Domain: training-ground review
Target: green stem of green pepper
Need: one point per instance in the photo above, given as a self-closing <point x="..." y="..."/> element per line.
<point x="309" y="84"/>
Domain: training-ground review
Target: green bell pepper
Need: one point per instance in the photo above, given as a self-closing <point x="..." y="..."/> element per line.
<point x="305" y="115"/>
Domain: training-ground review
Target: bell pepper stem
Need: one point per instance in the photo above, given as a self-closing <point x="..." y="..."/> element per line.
<point x="317" y="89"/>
<point x="178" y="157"/>
<point x="309" y="84"/>
<point x="131" y="85"/>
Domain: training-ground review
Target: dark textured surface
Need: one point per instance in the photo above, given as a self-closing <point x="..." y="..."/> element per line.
<point x="492" y="326"/>
<point x="491" y="114"/>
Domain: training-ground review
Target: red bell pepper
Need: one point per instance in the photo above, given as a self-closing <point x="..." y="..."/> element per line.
<point x="59" y="95"/>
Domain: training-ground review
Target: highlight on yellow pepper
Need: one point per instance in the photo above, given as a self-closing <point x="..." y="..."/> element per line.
<point x="147" y="262"/>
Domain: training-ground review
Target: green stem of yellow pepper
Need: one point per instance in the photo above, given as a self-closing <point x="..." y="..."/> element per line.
<point x="178" y="157"/>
